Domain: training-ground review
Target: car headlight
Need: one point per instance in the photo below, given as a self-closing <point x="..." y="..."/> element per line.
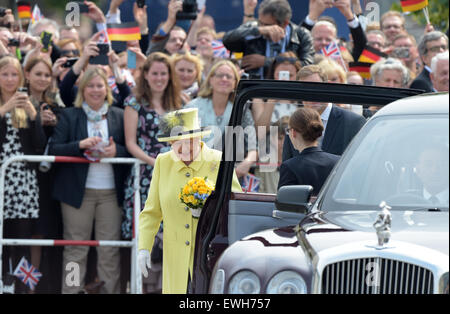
<point x="287" y="282"/>
<point x="218" y="282"/>
<point x="443" y="284"/>
<point x="244" y="282"/>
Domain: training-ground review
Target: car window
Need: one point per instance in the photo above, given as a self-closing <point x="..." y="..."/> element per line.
<point x="402" y="160"/>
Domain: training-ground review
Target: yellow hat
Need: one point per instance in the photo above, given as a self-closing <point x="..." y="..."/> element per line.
<point x="181" y="124"/>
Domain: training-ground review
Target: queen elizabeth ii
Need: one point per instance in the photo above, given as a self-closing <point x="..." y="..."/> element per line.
<point x="189" y="158"/>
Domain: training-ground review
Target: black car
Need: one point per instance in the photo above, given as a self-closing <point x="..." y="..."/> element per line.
<point x="371" y="228"/>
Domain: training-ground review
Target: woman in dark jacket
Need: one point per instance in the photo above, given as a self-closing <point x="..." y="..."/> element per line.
<point x="91" y="192"/>
<point x="313" y="165"/>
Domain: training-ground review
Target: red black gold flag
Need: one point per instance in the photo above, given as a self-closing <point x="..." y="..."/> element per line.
<point x="363" y="68"/>
<point x="371" y="55"/>
<point x="23" y="10"/>
<point x="124" y="32"/>
<point x="413" y="5"/>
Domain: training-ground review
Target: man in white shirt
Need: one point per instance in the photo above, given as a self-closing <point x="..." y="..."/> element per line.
<point x="432" y="170"/>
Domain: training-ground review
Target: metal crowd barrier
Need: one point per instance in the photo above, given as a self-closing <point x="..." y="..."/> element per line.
<point x="136" y="277"/>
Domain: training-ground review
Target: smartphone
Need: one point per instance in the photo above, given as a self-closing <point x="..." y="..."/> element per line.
<point x="131" y="59"/>
<point x="70" y="62"/>
<point x="401" y="53"/>
<point x="46" y="40"/>
<point x="200" y="4"/>
<point x="12" y="42"/>
<point x="83" y="7"/>
<point x="284" y="76"/>
<point x="102" y="57"/>
<point x="140" y="3"/>
<point x="23" y="90"/>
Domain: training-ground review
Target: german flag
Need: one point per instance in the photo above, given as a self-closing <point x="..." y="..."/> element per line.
<point x="371" y="55"/>
<point x="23" y="10"/>
<point x="413" y="5"/>
<point x="363" y="68"/>
<point x="124" y="32"/>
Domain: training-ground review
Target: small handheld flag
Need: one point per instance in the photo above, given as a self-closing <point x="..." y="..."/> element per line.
<point x="371" y="55"/>
<point x="36" y="15"/>
<point x="363" y="68"/>
<point x="124" y="32"/>
<point x="23" y="10"/>
<point x="251" y="183"/>
<point x="27" y="273"/>
<point x="413" y="5"/>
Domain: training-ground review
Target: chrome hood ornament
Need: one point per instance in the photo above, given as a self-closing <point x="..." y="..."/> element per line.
<point x="383" y="224"/>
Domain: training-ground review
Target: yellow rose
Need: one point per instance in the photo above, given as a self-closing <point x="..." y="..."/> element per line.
<point x="195" y="188"/>
<point x="202" y="190"/>
<point x="186" y="189"/>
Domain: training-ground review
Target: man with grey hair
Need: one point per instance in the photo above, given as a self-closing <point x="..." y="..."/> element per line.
<point x="274" y="33"/>
<point x="390" y="73"/>
<point x="439" y="72"/>
<point x="431" y="44"/>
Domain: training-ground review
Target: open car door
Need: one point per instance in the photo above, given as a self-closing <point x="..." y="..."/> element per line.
<point x="227" y="216"/>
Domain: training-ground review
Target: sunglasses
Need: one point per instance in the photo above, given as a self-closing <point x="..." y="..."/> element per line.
<point x="68" y="52"/>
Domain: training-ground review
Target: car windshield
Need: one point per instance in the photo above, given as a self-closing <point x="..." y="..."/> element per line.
<point x="402" y="160"/>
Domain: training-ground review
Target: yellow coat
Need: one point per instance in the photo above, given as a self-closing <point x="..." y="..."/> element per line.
<point x="170" y="175"/>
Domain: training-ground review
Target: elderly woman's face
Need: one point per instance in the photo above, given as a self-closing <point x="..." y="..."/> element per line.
<point x="223" y="81"/>
<point x="95" y="92"/>
<point x="187" y="150"/>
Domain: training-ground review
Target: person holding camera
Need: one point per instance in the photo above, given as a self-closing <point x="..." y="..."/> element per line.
<point x="92" y="49"/>
<point x="169" y="38"/>
<point x="261" y="41"/>
<point x="405" y="49"/>
<point x="21" y="133"/>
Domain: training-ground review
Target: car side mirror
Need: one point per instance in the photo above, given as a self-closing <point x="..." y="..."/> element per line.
<point x="294" y="198"/>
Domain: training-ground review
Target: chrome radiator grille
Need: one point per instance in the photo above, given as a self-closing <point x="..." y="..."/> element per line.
<point x="376" y="276"/>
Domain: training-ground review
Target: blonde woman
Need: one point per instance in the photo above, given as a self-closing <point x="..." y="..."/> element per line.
<point x="189" y="70"/>
<point x="20" y="134"/>
<point x="215" y="103"/>
<point x="91" y="192"/>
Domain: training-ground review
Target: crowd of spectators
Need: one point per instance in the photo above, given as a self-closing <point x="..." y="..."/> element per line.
<point x="113" y="110"/>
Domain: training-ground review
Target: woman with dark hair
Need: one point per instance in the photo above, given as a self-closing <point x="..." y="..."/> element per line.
<point x="157" y="92"/>
<point x="313" y="165"/>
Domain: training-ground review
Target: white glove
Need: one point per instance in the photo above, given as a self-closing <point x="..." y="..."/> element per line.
<point x="144" y="262"/>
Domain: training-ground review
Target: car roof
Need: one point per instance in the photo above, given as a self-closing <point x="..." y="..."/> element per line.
<point x="436" y="103"/>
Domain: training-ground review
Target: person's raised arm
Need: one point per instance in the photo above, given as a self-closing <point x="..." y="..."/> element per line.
<point x="192" y="35"/>
<point x="249" y="10"/>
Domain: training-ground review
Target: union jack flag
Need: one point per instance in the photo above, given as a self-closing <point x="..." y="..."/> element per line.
<point x="104" y="38"/>
<point x="27" y="273"/>
<point x="219" y="49"/>
<point x="331" y="51"/>
<point x="251" y="183"/>
<point x="36" y="15"/>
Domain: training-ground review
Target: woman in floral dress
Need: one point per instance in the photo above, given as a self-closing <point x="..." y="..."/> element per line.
<point x="157" y="92"/>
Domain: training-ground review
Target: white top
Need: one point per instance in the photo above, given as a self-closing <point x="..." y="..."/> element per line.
<point x="100" y="176"/>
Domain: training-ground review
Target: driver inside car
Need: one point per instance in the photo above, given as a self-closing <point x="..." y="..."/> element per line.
<point x="432" y="170"/>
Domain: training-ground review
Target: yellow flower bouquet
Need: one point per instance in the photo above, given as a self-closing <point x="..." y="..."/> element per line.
<point x="195" y="193"/>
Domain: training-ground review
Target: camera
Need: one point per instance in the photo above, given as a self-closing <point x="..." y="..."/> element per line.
<point x="70" y="62"/>
<point x="189" y="12"/>
<point x="401" y="53"/>
<point x="2" y="11"/>
<point x="22" y="90"/>
<point x="140" y="3"/>
<point x="13" y="42"/>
